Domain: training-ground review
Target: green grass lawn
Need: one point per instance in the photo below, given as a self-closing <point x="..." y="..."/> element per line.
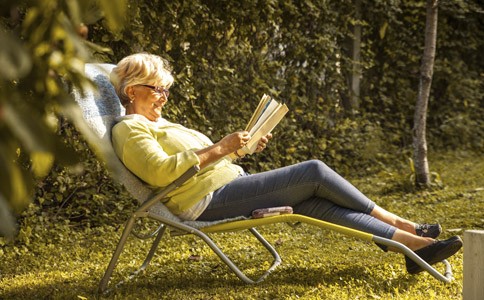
<point x="63" y="262"/>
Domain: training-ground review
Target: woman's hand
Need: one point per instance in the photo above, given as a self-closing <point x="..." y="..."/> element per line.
<point x="225" y="146"/>
<point x="234" y="141"/>
<point x="263" y="142"/>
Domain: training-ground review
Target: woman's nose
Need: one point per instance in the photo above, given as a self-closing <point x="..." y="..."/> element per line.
<point x="161" y="98"/>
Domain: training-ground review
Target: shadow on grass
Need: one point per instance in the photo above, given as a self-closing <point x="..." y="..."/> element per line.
<point x="219" y="283"/>
<point x="224" y="281"/>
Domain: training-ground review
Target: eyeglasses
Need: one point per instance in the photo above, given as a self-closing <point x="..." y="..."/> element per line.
<point x="158" y="89"/>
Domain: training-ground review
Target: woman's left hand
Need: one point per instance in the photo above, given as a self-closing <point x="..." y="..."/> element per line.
<point x="263" y="142"/>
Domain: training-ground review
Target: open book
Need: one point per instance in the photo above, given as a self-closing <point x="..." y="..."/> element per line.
<point x="266" y="116"/>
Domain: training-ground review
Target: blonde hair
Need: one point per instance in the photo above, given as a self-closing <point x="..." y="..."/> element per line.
<point x="140" y="68"/>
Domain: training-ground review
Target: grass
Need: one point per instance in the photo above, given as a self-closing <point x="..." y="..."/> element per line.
<point x="62" y="262"/>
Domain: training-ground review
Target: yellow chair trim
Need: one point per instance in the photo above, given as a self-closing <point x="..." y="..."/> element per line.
<point x="250" y="223"/>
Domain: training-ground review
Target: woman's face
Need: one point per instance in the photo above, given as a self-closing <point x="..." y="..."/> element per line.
<point x="148" y="101"/>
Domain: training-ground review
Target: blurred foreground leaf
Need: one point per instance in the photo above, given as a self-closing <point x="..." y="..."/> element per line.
<point x="7" y="225"/>
<point x="14" y="59"/>
<point x="43" y="54"/>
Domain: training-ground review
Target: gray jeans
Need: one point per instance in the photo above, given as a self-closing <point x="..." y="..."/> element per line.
<point x="311" y="188"/>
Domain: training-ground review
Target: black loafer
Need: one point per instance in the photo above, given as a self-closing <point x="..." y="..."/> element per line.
<point x="434" y="253"/>
<point x="428" y="230"/>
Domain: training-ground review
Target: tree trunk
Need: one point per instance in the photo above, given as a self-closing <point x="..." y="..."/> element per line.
<point x="351" y="102"/>
<point x="355" y="56"/>
<point x="420" y="118"/>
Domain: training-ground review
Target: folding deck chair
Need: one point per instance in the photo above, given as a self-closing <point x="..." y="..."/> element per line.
<point x="100" y="108"/>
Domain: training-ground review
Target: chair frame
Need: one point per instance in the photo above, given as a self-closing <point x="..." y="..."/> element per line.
<point x="250" y="224"/>
<point x="143" y="212"/>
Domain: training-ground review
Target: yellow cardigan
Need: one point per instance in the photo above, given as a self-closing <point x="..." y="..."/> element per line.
<point x="160" y="152"/>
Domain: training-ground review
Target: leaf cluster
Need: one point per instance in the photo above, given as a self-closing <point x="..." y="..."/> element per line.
<point x="394" y="47"/>
<point x="42" y="50"/>
<point x="226" y="56"/>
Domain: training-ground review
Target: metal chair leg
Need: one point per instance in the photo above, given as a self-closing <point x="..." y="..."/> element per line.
<point x="221" y="255"/>
<point x="147" y="261"/>
<point x="122" y="241"/>
<point x="153" y="248"/>
<point x="232" y="266"/>
<point x="277" y="258"/>
<point x="151" y="253"/>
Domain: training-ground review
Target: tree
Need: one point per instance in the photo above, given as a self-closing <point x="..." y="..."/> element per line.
<point x="420" y="117"/>
<point x="42" y="48"/>
<point x="352" y="102"/>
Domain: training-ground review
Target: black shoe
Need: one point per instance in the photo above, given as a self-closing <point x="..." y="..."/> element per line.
<point x="434" y="253"/>
<point x="428" y="230"/>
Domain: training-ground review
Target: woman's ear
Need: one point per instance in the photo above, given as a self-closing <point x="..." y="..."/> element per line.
<point x="131" y="94"/>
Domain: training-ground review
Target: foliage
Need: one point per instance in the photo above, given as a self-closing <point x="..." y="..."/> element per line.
<point x="41" y="45"/>
<point x="61" y="261"/>
<point x="88" y="199"/>
<point x="395" y="36"/>
<point x="224" y="58"/>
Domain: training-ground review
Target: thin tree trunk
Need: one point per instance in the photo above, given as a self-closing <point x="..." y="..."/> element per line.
<point x="355" y="56"/>
<point x="351" y="101"/>
<point x="420" y="118"/>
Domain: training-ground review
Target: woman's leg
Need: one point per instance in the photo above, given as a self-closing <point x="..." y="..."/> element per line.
<point x="314" y="190"/>
<point x="291" y="185"/>
<point x="340" y="191"/>
<point x="324" y="210"/>
<point x="414" y="242"/>
<point x="285" y="186"/>
<point x="394" y="220"/>
<point x="311" y="188"/>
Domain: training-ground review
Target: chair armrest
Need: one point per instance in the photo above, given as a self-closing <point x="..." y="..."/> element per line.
<point x="175" y="184"/>
<point x="187" y="175"/>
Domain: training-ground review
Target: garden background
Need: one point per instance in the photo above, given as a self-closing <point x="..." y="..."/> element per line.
<point x="225" y="55"/>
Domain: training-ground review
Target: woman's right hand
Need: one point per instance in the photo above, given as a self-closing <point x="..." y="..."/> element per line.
<point x="234" y="141"/>
<point x="225" y="146"/>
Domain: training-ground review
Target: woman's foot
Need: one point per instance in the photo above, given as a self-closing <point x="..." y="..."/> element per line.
<point x="422" y="230"/>
<point x="434" y="253"/>
<point x="428" y="230"/>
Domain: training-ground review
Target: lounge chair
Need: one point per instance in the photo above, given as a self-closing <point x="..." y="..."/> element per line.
<point x="101" y="107"/>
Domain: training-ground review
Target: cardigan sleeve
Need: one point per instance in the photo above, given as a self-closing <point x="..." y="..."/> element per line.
<point x="145" y="157"/>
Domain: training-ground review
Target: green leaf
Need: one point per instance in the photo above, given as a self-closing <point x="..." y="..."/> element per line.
<point x="114" y="11"/>
<point x="41" y="163"/>
<point x="35" y="135"/>
<point x="383" y="30"/>
<point x="28" y="128"/>
<point x="15" y="62"/>
<point x="7" y="220"/>
<point x="20" y="188"/>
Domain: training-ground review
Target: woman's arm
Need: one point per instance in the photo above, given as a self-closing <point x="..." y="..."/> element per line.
<point x="143" y="155"/>
<point x="225" y="146"/>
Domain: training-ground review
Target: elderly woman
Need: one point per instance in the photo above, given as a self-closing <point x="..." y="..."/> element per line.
<point x="158" y="152"/>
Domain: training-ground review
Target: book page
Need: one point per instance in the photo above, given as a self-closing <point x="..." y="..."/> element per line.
<point x="264" y="128"/>
<point x="266" y="113"/>
<point x="266" y="116"/>
<point x="258" y="111"/>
